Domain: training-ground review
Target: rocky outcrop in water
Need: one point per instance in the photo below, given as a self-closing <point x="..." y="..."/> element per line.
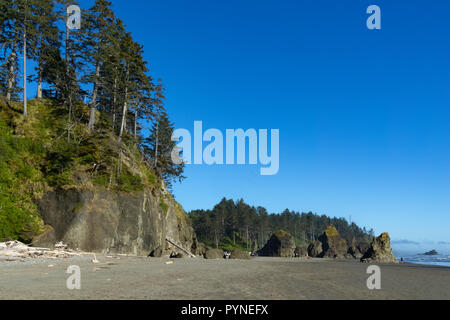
<point x="281" y="244"/>
<point x="430" y="253"/>
<point x="116" y="222"/>
<point x="380" y="250"/>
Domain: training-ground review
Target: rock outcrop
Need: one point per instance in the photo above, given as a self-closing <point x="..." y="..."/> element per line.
<point x="315" y="249"/>
<point x="363" y="247"/>
<point x="332" y="244"/>
<point x="380" y="251"/>
<point x="115" y="222"/>
<point x="281" y="244"/>
<point x="430" y="253"/>
<point x="357" y="250"/>
<point x="240" y="255"/>
<point x="214" y="253"/>
<point x="301" y="251"/>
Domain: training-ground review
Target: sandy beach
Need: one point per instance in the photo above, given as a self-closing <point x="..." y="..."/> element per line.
<point x="199" y="279"/>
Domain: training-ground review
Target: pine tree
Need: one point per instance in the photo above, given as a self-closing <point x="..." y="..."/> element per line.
<point x="100" y="23"/>
<point x="47" y="40"/>
<point x="135" y="82"/>
<point x="158" y="147"/>
<point x="110" y="86"/>
<point x="11" y="36"/>
<point x="73" y="62"/>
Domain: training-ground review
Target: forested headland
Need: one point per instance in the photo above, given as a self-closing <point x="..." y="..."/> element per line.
<point x="97" y="115"/>
<point x="236" y="224"/>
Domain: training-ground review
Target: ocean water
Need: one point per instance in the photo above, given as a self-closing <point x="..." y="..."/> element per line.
<point x="438" y="260"/>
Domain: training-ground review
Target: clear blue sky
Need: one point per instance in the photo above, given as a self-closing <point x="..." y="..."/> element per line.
<point x="363" y="115"/>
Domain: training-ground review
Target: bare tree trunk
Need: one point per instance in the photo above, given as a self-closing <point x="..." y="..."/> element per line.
<point x="12" y="71"/>
<point x="124" y="114"/>
<point x="157" y="141"/>
<point x="25" y="107"/>
<point x="125" y="107"/>
<point x="114" y="103"/>
<point x="39" y="85"/>
<point x="246" y="237"/>
<point x="67" y="49"/>
<point x="135" y="125"/>
<point x="93" y="103"/>
<point x="216" y="238"/>
<point x="68" y="80"/>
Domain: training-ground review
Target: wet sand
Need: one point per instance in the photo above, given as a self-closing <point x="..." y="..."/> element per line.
<point x="198" y="279"/>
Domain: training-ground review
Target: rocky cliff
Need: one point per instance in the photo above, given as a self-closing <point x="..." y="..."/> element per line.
<point x="115" y="222"/>
<point x="281" y="244"/>
<point x="380" y="250"/>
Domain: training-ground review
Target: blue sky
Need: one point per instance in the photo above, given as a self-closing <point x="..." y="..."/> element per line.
<point x="363" y="114"/>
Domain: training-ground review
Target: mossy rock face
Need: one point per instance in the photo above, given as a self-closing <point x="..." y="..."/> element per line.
<point x="240" y="255"/>
<point x="315" y="249"/>
<point x="331" y="231"/>
<point x="214" y="253"/>
<point x="333" y="246"/>
<point x="380" y="250"/>
<point x="281" y="244"/>
<point x="301" y="252"/>
<point x="282" y="234"/>
<point x="353" y="250"/>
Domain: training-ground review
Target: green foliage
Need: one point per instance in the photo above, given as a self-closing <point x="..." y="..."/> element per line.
<point x="35" y="154"/>
<point x="158" y="148"/>
<point x="101" y="180"/>
<point x="128" y="182"/>
<point x="228" y="245"/>
<point x="164" y="206"/>
<point x="19" y="180"/>
<point x="244" y="224"/>
<point x="64" y="142"/>
<point x="77" y="208"/>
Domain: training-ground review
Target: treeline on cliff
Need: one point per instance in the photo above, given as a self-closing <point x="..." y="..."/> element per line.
<point x="235" y="224"/>
<point x="98" y="115"/>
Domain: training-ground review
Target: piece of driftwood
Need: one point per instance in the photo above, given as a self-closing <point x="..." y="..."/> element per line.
<point x="172" y="242"/>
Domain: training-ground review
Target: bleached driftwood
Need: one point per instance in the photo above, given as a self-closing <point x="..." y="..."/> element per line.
<point x="17" y="250"/>
<point x="172" y="242"/>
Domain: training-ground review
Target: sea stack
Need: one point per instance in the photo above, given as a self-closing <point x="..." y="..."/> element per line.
<point x="281" y="244"/>
<point x="380" y="250"/>
<point x="332" y="244"/>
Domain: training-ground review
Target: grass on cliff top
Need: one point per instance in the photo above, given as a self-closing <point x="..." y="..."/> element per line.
<point x="37" y="154"/>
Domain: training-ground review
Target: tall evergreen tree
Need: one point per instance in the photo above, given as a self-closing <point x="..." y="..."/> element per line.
<point x="47" y="40"/>
<point x="158" y="147"/>
<point x="100" y="26"/>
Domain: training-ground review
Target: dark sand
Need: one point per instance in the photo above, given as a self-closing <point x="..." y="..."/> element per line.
<point x="198" y="279"/>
